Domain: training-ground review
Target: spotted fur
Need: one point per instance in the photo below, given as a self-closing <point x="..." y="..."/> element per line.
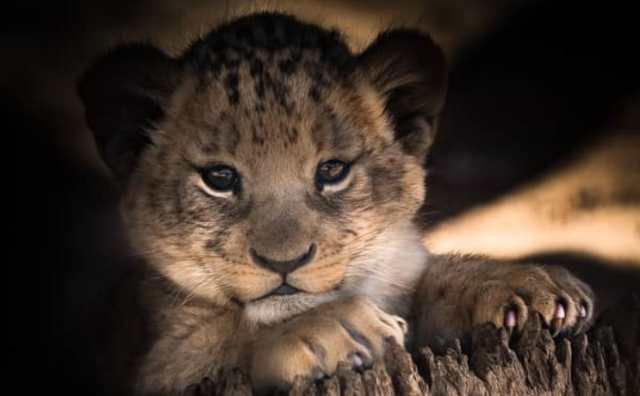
<point x="271" y="97"/>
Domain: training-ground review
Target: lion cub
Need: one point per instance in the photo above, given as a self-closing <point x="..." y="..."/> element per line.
<point x="270" y="181"/>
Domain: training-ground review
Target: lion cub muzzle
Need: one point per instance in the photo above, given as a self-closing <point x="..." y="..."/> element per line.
<point x="283" y="267"/>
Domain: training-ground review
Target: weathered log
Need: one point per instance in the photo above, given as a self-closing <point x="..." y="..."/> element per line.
<point x="532" y="364"/>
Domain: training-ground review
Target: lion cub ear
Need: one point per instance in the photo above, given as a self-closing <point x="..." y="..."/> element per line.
<point x="124" y="94"/>
<point x="410" y="72"/>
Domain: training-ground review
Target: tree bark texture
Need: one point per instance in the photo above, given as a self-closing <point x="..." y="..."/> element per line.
<point x="604" y="361"/>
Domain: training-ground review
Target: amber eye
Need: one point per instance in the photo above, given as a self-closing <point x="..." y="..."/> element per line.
<point x="331" y="172"/>
<point x="220" y="178"/>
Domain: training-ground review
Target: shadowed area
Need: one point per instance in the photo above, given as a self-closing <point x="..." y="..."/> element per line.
<point x="537" y="155"/>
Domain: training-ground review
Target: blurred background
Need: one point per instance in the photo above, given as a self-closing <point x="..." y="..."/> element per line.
<point x="537" y="157"/>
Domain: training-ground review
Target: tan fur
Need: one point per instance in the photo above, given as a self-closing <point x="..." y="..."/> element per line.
<point x="201" y="294"/>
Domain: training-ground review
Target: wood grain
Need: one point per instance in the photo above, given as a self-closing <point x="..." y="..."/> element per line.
<point x="531" y="364"/>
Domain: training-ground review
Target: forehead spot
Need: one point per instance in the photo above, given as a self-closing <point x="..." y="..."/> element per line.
<point x="287" y="66"/>
<point x="210" y="148"/>
<point x="258" y="136"/>
<point x="330" y="133"/>
<point x="215" y="135"/>
<point x="231" y="87"/>
<point x="256" y="67"/>
<point x="292" y="134"/>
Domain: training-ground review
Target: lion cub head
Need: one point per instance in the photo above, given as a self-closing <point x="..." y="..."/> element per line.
<point x="269" y="167"/>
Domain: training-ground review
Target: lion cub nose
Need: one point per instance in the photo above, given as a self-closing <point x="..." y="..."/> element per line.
<point x="284" y="267"/>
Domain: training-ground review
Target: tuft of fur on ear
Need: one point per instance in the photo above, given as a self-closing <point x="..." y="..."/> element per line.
<point x="124" y="93"/>
<point x="410" y="72"/>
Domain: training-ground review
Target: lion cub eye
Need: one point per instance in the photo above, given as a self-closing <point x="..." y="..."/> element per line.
<point x="331" y="172"/>
<point x="220" y="178"/>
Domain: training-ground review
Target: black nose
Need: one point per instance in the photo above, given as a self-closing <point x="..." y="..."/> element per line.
<point x="284" y="267"/>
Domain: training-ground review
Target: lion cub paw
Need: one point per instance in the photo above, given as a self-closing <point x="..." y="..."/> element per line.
<point x="462" y="295"/>
<point x="565" y="303"/>
<point x="312" y="345"/>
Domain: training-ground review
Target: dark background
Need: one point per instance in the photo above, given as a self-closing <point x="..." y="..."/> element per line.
<point x="532" y="83"/>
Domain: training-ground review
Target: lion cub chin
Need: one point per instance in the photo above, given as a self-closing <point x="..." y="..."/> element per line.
<point x="279" y="308"/>
<point x="368" y="275"/>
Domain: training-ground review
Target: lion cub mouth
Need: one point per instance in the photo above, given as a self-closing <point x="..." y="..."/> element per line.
<point x="285" y="301"/>
<point x="283" y="290"/>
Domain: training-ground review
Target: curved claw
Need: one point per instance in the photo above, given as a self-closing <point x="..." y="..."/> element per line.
<point x="560" y="312"/>
<point x="582" y="311"/>
<point x="510" y="319"/>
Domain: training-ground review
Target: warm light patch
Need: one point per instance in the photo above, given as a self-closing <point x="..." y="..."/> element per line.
<point x="592" y="206"/>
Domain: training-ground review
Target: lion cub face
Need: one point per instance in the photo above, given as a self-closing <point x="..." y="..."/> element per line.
<point x="264" y="167"/>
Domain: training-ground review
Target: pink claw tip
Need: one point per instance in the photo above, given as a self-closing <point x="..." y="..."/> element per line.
<point x="560" y="312"/>
<point x="583" y="311"/>
<point x="510" y="318"/>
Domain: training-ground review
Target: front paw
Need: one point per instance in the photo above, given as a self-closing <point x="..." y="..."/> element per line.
<point x="565" y="303"/>
<point x="312" y="345"/>
<point x="462" y="293"/>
